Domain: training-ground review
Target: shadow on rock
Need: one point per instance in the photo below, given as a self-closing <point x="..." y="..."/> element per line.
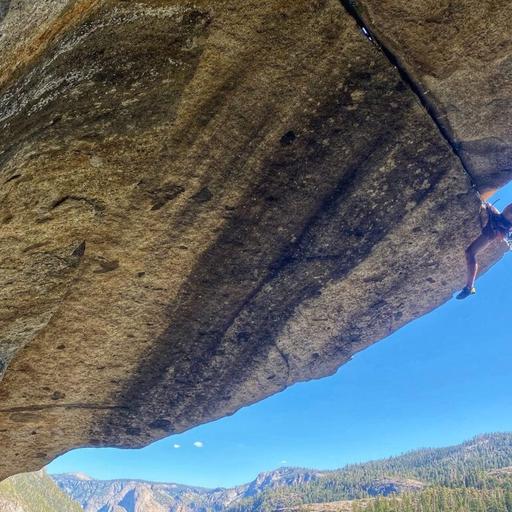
<point x="5" y="5"/>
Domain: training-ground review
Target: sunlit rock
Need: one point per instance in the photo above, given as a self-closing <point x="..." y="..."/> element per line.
<point x="202" y="203"/>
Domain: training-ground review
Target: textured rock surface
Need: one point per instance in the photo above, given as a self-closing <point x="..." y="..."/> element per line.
<point x="459" y="52"/>
<point x="202" y="203"/>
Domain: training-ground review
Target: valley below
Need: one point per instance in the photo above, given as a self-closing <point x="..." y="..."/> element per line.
<point x="473" y="476"/>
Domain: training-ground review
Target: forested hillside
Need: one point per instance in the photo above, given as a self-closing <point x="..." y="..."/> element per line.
<point x="487" y="491"/>
<point x="450" y="470"/>
<point x="444" y="499"/>
<point x="34" y="492"/>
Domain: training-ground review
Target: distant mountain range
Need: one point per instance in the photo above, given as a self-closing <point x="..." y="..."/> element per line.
<point x="142" y="496"/>
<point x="477" y="472"/>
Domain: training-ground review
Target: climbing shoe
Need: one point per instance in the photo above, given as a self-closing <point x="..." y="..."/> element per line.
<point x="466" y="292"/>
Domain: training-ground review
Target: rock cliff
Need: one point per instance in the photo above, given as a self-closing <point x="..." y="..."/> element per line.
<point x="204" y="202"/>
<point x="459" y="56"/>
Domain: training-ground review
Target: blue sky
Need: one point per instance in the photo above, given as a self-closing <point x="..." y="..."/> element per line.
<point x="438" y="381"/>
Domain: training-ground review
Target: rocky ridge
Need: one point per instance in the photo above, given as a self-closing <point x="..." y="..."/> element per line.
<point x="141" y="496"/>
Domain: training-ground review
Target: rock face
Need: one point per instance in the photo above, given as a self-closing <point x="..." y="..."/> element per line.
<point x="202" y="203"/>
<point x="460" y="56"/>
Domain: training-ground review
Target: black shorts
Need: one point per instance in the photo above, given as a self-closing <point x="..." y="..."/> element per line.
<point x="492" y="232"/>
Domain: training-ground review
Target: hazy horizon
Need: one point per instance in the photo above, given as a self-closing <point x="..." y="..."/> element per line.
<point x="79" y="474"/>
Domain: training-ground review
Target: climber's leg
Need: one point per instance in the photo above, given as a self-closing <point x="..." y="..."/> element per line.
<point x="472" y="263"/>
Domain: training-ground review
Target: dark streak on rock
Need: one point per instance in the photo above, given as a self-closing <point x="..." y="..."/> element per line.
<point x="161" y="424"/>
<point x="61" y="406"/>
<point x="7" y="218"/>
<point x="160" y="197"/>
<point x="96" y="205"/>
<point x="24" y="417"/>
<point x="256" y="310"/>
<point x="79" y="251"/>
<point x="107" y="266"/>
<point x="5" y="5"/>
<point x="288" y="138"/>
<point x="34" y="246"/>
<point x="12" y="178"/>
<point x="203" y="196"/>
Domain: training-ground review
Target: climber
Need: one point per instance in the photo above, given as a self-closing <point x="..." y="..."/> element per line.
<point x="497" y="227"/>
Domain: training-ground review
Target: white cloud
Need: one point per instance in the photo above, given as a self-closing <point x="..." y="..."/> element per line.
<point x="176" y="445"/>
<point x="198" y="444"/>
<point x="284" y="462"/>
